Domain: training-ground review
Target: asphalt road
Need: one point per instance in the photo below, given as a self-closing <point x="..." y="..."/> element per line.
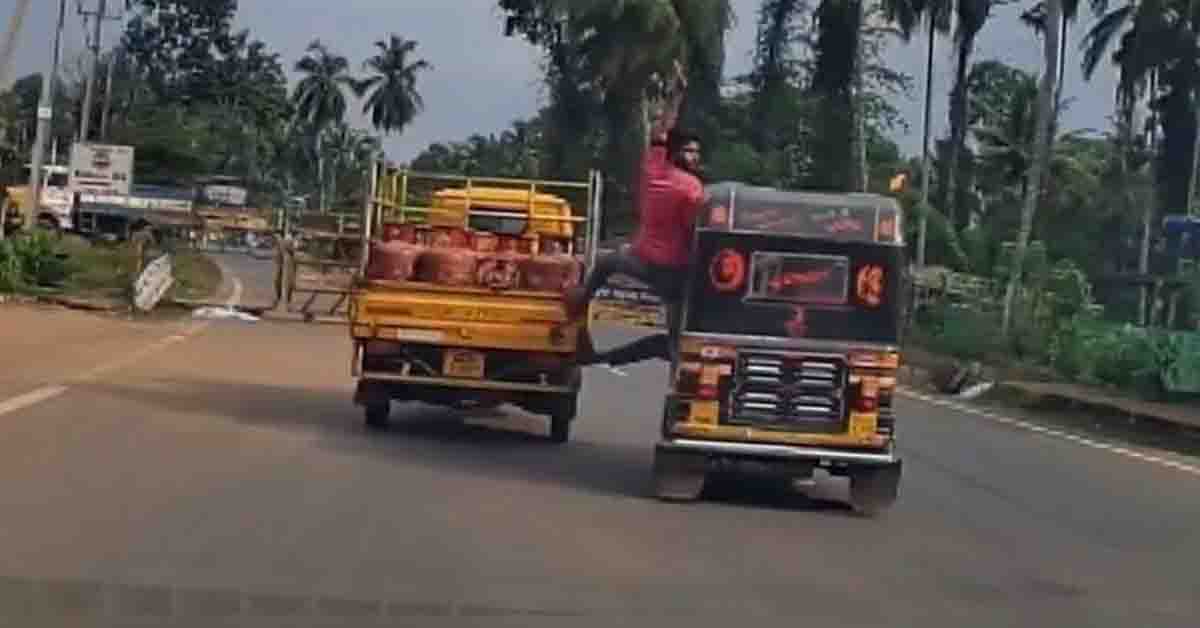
<point x="222" y="476"/>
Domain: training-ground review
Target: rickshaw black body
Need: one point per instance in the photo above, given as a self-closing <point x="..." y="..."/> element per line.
<point x="790" y="343"/>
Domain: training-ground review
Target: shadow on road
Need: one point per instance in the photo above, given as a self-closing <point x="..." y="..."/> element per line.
<point x="504" y="442"/>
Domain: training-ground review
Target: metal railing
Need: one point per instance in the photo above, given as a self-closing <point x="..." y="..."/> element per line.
<point x="392" y="191"/>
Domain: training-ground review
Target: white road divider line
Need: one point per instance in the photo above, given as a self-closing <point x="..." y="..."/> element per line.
<point x="31" y="398"/>
<point x="50" y="391"/>
<point x="1042" y="430"/>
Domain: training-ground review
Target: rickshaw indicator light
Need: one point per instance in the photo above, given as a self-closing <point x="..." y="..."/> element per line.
<point x="867" y="399"/>
<point x="728" y="270"/>
<point x="718" y="216"/>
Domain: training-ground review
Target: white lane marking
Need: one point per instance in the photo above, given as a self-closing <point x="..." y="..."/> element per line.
<point x="616" y="371"/>
<point x="33" y="397"/>
<point x="1084" y="441"/>
<point x="50" y="391"/>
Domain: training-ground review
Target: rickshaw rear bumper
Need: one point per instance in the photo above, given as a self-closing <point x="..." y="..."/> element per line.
<point x="780" y="452"/>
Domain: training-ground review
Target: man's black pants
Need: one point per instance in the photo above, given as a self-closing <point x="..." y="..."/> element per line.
<point x="666" y="282"/>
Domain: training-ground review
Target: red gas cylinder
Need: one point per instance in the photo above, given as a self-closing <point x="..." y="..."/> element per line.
<point x="394" y="260"/>
<point x="552" y="269"/>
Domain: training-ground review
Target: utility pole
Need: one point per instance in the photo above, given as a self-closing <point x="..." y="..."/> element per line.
<point x="99" y="15"/>
<point x="45" y="115"/>
<point x="108" y="87"/>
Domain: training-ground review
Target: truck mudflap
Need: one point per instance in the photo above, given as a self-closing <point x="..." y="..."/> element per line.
<point x="786" y="452"/>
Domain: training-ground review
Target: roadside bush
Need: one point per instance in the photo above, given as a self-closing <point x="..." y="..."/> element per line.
<point x="958" y="331"/>
<point x="1099" y="353"/>
<point x="31" y="260"/>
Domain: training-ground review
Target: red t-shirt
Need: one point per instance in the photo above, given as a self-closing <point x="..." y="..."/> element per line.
<point x="670" y="200"/>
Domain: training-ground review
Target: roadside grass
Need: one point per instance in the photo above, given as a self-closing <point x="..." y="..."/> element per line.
<point x="100" y="272"/>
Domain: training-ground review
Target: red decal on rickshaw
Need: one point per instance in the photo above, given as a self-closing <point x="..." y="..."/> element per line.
<point x="728" y="270"/>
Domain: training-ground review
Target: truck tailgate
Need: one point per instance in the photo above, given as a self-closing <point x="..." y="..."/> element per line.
<point x="518" y="321"/>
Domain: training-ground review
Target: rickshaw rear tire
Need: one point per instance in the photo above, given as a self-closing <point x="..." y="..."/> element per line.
<point x="377" y="414"/>
<point x="678" y="477"/>
<point x="562" y="413"/>
<point x="874" y="490"/>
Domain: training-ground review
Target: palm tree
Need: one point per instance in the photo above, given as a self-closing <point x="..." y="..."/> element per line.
<point x="319" y="98"/>
<point x="617" y="49"/>
<point x="391" y="90"/>
<point x="970" y="17"/>
<point x="1042" y="144"/>
<point x="906" y="14"/>
<point x="1155" y="55"/>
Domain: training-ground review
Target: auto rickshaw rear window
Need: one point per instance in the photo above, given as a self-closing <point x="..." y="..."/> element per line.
<point x="799" y="278"/>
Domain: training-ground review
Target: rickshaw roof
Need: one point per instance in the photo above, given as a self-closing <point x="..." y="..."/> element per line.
<point x="849" y="217"/>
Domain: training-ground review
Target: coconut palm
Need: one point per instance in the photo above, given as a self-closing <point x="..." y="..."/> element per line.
<point x="1041" y="157"/>
<point x="320" y="98"/>
<point x="392" y="99"/>
<point x="970" y="17"/>
<point x="906" y="14"/>
<point x="618" y="49"/>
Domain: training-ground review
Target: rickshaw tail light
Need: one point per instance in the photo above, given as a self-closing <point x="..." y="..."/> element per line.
<point x="716" y="352"/>
<point x="867" y="399"/>
<point x="707" y="392"/>
<point x="875" y="359"/>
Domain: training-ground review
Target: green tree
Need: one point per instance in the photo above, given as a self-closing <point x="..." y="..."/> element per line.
<point x="393" y="100"/>
<point x="953" y="188"/>
<point x="320" y="99"/>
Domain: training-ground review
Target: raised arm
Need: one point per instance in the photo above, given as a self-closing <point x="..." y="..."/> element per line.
<point x="668" y="117"/>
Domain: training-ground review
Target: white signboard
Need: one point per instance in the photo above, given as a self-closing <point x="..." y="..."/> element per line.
<point x="153" y="283"/>
<point x="102" y="168"/>
<point x="138" y="202"/>
<point x="225" y="194"/>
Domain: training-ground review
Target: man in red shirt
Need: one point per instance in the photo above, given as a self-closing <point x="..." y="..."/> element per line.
<point x="669" y="198"/>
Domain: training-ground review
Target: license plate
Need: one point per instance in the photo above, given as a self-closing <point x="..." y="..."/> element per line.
<point x="705" y="412"/>
<point x="459" y="363"/>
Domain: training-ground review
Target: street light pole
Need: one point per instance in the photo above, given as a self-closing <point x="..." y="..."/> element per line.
<point x="45" y="115"/>
<point x="97" y="31"/>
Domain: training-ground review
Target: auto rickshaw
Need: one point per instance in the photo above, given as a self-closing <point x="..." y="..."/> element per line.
<point x="790" y="344"/>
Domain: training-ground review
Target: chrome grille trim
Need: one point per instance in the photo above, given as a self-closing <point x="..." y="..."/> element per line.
<point x="793" y="391"/>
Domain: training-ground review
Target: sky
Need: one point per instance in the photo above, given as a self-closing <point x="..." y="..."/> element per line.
<point x="482" y="81"/>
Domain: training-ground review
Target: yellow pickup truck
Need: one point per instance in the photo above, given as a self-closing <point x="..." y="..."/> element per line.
<point x="458" y="299"/>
